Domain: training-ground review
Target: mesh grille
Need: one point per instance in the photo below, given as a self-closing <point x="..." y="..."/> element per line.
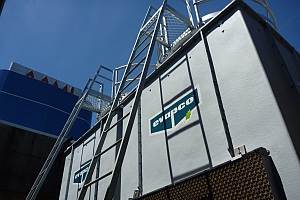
<point x="245" y="178"/>
<point x="162" y="195"/>
<point x="196" y="188"/>
<point x="241" y="180"/>
<point x="176" y="29"/>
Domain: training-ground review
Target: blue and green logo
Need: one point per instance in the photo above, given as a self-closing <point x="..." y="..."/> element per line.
<point x="179" y="111"/>
<point x="80" y="175"/>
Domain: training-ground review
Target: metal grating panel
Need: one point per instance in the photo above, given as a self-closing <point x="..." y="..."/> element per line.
<point x="162" y="195"/>
<point x="195" y="188"/>
<point x="251" y="177"/>
<point x="246" y="179"/>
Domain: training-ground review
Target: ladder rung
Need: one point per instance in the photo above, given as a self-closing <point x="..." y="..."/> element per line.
<point x="131" y="81"/>
<point x="136" y="56"/>
<point x="45" y="166"/>
<point x="33" y="188"/>
<point x="117" y="122"/>
<point x="57" y="142"/>
<point x="98" y="179"/>
<point x="95" y="81"/>
<point x="144" y="31"/>
<point x="151" y="21"/>
<point x="126" y="97"/>
<point x="108" y="148"/>
<point x="67" y="124"/>
<point x="77" y="104"/>
<point x="135" y="66"/>
<point x="114" y="109"/>
<point x="65" y="130"/>
<point x="48" y="160"/>
<point x="42" y="172"/>
<point x="147" y="36"/>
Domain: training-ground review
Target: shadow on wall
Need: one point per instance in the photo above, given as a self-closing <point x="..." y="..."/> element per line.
<point x="175" y="133"/>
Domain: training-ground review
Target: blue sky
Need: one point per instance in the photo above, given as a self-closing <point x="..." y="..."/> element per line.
<point x="69" y="39"/>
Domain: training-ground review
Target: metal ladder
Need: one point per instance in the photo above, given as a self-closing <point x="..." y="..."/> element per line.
<point x="83" y="102"/>
<point x="133" y="73"/>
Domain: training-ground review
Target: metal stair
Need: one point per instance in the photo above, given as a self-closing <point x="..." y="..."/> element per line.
<point x="87" y="101"/>
<point x="136" y="71"/>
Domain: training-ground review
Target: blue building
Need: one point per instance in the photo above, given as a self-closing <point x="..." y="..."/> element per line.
<point x="38" y="103"/>
<point x="33" y="110"/>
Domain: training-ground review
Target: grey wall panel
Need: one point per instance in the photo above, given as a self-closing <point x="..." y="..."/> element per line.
<point x="73" y="187"/>
<point x="260" y="107"/>
<point x="65" y="179"/>
<point x="156" y="171"/>
<point x="129" y="172"/>
<point x="240" y="77"/>
<point x="279" y="64"/>
<point x="291" y="59"/>
<point x="188" y="153"/>
<point x="209" y="110"/>
<point x="107" y="160"/>
<point x="88" y="150"/>
<point x="186" y="150"/>
<point x="288" y="97"/>
<point x="83" y="153"/>
<point x="252" y="111"/>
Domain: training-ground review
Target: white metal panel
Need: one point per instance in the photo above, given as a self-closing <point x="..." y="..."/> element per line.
<point x="88" y="150"/>
<point x="129" y="172"/>
<point x="292" y="58"/>
<point x="65" y="179"/>
<point x="240" y="58"/>
<point x="155" y="162"/>
<point x="74" y="187"/>
<point x="107" y="160"/>
<point x="282" y="68"/>
<point x="212" y="123"/>
<point x="188" y="153"/>
<point x="252" y="111"/>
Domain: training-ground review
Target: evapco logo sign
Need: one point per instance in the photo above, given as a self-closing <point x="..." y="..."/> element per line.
<point x="80" y="175"/>
<point x="178" y="112"/>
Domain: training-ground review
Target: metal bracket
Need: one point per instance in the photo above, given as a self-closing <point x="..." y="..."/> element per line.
<point x="239" y="152"/>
